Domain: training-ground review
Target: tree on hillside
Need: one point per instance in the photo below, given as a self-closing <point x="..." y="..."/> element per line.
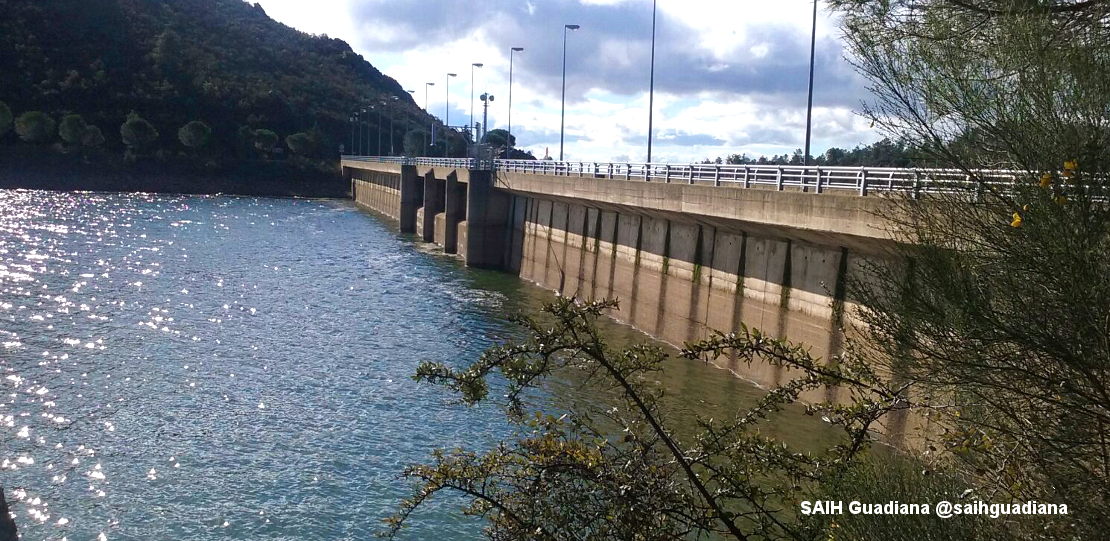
<point x="194" y="135"/>
<point x="499" y="138"/>
<point x="72" y="129"/>
<point x="5" y="119"/>
<point x="264" y="140"/>
<point x="35" y="127"/>
<point x="168" y="52"/>
<point x="414" y="142"/>
<point x="137" y="134"/>
<point x="301" y="144"/>
<point x="92" y="138"/>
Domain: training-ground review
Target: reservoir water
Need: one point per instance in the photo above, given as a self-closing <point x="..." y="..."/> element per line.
<point x="240" y="368"/>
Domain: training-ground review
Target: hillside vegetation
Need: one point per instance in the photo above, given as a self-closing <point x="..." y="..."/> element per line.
<point x="205" y="82"/>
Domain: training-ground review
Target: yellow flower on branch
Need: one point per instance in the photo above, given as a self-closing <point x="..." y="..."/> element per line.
<point x="1061" y="199"/>
<point x="1070" y="167"/>
<point x="1017" y="220"/>
<point x="1046" y="179"/>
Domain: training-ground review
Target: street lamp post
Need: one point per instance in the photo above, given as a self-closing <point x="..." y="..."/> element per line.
<point x="563" y="114"/>
<point x="352" y="147"/>
<point x="362" y="141"/>
<point x="426" y="85"/>
<point x="378" y="150"/>
<point x="809" y="105"/>
<point x="651" y="91"/>
<point x="472" y="66"/>
<point x="407" y="125"/>
<point x="509" y="141"/>
<point x="447" y="114"/>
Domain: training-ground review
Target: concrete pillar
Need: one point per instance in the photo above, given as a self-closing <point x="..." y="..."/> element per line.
<point x="454" y="212"/>
<point x="433" y="204"/>
<point x="412" y="197"/>
<point x="487" y="216"/>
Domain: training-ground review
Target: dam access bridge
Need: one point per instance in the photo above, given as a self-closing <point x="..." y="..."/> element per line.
<point x="686" y="249"/>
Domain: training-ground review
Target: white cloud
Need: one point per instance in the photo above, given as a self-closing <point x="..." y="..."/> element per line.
<point x="736" y="84"/>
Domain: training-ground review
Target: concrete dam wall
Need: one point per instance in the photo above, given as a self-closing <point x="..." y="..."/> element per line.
<point x="682" y="259"/>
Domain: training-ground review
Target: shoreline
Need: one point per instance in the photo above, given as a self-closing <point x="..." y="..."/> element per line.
<point x="257" y="178"/>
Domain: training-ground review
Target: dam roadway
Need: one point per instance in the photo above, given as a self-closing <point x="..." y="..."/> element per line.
<point x="685" y="249"/>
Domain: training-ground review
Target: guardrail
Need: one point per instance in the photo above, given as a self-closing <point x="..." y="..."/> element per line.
<point x="860" y="180"/>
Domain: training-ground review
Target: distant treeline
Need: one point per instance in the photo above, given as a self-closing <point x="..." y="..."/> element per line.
<point x="884" y="153"/>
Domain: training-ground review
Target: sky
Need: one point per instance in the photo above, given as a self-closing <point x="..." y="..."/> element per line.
<point x="730" y="75"/>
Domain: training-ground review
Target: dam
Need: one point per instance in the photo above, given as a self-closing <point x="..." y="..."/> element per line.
<point x="684" y="250"/>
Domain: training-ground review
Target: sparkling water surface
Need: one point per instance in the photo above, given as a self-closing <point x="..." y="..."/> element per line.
<point x="240" y="368"/>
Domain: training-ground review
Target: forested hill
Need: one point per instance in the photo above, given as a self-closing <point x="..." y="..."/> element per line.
<point x="221" y="62"/>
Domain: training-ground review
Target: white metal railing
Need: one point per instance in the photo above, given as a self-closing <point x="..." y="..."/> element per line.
<point x="860" y="180"/>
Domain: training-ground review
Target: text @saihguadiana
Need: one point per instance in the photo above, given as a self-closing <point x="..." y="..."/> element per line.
<point x="942" y="509"/>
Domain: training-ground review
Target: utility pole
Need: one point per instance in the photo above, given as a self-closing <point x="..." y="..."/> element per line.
<point x="447" y="116"/>
<point x="651" y="91"/>
<point x="563" y="114"/>
<point x="809" y="106"/>
<point x="509" y="143"/>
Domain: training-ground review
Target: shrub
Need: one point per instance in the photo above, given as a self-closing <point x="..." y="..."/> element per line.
<point x="301" y="144"/>
<point x="137" y="133"/>
<point x="265" y="140"/>
<point x="72" y="129"/>
<point x="92" y="137"/>
<point x="194" y="134"/>
<point x="35" y="127"/>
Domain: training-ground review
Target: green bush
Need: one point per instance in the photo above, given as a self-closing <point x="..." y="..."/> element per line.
<point x="72" y="129"/>
<point x="301" y="144"/>
<point x="194" y="134"/>
<point x="265" y="140"/>
<point x="35" y="127"/>
<point x="137" y="133"/>
<point x="92" y="137"/>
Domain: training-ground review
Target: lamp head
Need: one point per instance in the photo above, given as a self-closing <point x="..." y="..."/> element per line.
<point x="452" y="74"/>
<point x="573" y="27"/>
<point x="477" y="64"/>
<point x="518" y="49"/>
<point x="430" y="84"/>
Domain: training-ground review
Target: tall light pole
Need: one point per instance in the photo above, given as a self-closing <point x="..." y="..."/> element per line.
<point x="509" y="141"/>
<point x="472" y="66"/>
<point x="393" y="134"/>
<point x="353" y="151"/>
<point x="363" y="141"/>
<point x="651" y="88"/>
<point x="563" y="114"/>
<point x="809" y="106"/>
<point x="408" y="125"/>
<point x="378" y="149"/>
<point x="447" y="115"/>
<point x="426" y="85"/>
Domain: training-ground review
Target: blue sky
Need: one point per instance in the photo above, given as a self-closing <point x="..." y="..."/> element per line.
<point x="730" y="74"/>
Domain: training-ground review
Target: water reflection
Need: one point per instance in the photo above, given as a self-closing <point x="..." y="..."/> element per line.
<point x="238" y="368"/>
